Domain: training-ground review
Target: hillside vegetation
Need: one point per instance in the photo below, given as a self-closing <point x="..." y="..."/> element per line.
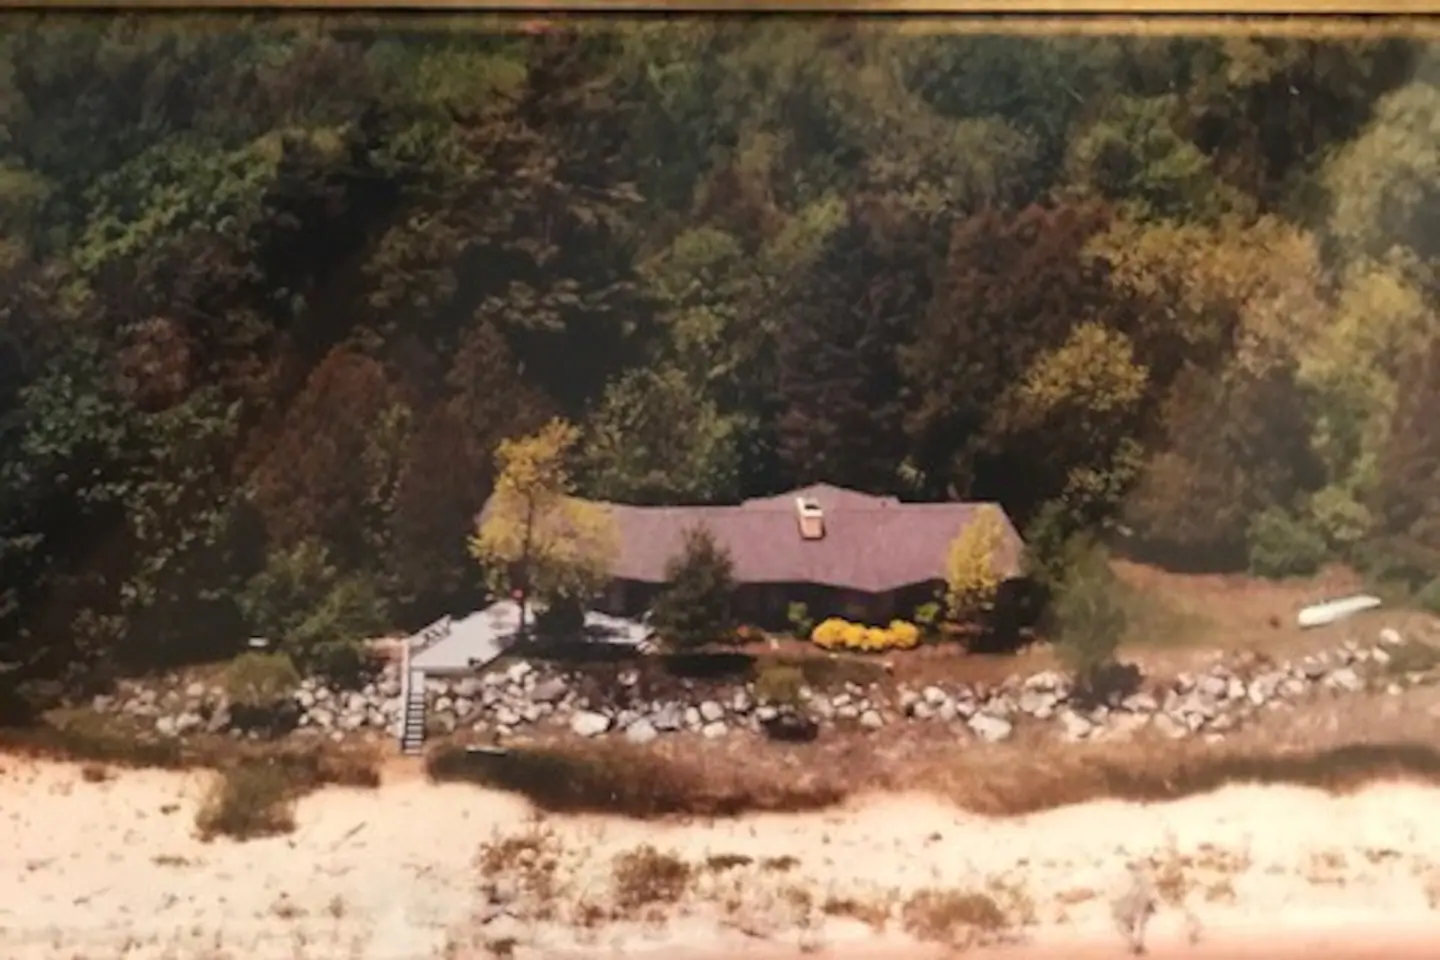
<point x="273" y="289"/>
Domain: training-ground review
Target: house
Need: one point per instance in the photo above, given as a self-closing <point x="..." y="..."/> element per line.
<point x="840" y="552"/>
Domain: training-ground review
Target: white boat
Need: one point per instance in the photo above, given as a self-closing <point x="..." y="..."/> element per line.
<point x="1333" y="611"/>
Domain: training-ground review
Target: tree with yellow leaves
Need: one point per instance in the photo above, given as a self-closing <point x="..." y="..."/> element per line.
<point x="534" y="537"/>
<point x="972" y="580"/>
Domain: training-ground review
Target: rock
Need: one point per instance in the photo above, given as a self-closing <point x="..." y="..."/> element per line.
<point x="1345" y="679"/>
<point x="195" y="691"/>
<point x="1075" y="726"/>
<point x="947" y="711"/>
<point x="441" y="704"/>
<point x="871" y="720"/>
<point x="934" y="696"/>
<point x="714" y="730"/>
<point x="668" y="717"/>
<point x="549" y="690"/>
<point x="507" y="716"/>
<point x="1140" y="703"/>
<point x="464" y="706"/>
<point x="166" y="726"/>
<point x="1046" y="681"/>
<point x="1169" y="727"/>
<point x="641" y="731"/>
<point x="1390" y="637"/>
<point x="322" y="718"/>
<point x="1038" y="703"/>
<point x="1213" y="688"/>
<point x="710" y="711"/>
<point x="587" y="723"/>
<point x="989" y="728"/>
<point x="692" y="718"/>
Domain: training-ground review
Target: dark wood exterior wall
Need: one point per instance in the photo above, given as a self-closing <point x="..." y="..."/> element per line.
<point x="767" y="605"/>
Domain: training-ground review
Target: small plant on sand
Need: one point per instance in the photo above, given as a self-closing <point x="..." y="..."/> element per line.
<point x="528" y="863"/>
<point x="645" y="877"/>
<point x="1132" y="909"/>
<point x="250" y="799"/>
<point x="95" y="773"/>
<point x="959" y="918"/>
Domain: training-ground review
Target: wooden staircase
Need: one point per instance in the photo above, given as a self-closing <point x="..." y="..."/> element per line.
<point x="412" y="687"/>
<point x="412" y="715"/>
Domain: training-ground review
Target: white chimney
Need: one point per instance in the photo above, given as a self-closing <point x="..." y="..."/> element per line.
<point x="811" y="519"/>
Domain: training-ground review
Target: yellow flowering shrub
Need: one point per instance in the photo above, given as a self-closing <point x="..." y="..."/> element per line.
<point x="829" y="634"/>
<point x="837" y="634"/>
<point x="904" y="634"/>
<point x="852" y="637"/>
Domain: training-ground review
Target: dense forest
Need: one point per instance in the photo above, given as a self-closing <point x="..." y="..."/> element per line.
<point x="274" y="289"/>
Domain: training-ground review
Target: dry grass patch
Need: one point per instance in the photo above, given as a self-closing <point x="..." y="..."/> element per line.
<point x="1379" y="738"/>
<point x="874" y="914"/>
<point x="1412" y="657"/>
<point x="102" y="741"/>
<point x="721" y="862"/>
<point x="959" y="918"/>
<point x="613" y="776"/>
<point x="1220" y="891"/>
<point x="646" y="877"/>
<point x="530" y="862"/>
<point x="96" y="773"/>
<point x="247" y="801"/>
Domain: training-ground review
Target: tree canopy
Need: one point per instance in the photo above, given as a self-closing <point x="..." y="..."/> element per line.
<point x="274" y="289"/>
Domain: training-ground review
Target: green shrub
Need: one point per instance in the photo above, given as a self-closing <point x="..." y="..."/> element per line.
<point x="345" y="663"/>
<point x="1048" y="543"/>
<point x="695" y="606"/>
<point x="1281" y="546"/>
<point x="927" y="616"/>
<point x="1088" y="614"/>
<point x="251" y="799"/>
<point x="801" y="623"/>
<point x="779" y="684"/>
<point x="305" y="606"/>
<point x="260" y="680"/>
<point x="1412" y="656"/>
<point x="1428" y="597"/>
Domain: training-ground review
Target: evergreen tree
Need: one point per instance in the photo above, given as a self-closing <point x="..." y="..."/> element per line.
<point x="696" y="606"/>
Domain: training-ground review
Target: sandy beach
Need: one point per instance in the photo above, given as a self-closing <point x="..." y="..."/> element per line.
<point x="113" y="869"/>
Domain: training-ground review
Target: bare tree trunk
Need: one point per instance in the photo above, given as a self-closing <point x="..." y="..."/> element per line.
<point x="524" y="577"/>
